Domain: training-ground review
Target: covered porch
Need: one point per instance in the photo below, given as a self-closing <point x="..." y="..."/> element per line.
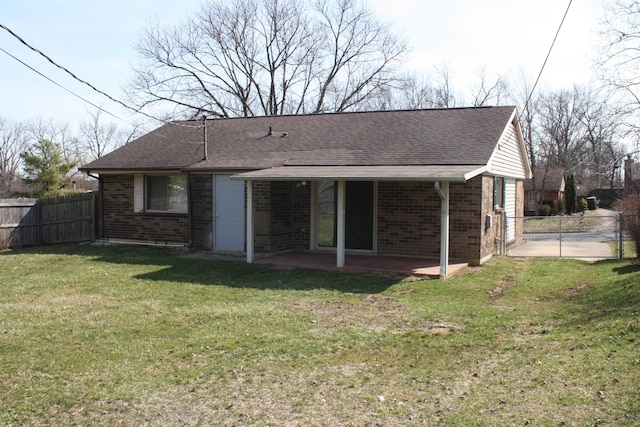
<point x="439" y="176"/>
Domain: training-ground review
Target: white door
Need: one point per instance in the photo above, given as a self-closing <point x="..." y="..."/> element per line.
<point x="228" y="219"/>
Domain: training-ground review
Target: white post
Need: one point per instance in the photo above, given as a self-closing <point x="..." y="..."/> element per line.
<point x="340" y="244"/>
<point x="249" y="222"/>
<point x="443" y="191"/>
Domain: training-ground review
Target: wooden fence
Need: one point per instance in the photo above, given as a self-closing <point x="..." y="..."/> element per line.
<point x="28" y="222"/>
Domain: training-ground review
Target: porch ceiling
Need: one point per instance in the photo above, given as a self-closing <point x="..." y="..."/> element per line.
<point x="453" y="173"/>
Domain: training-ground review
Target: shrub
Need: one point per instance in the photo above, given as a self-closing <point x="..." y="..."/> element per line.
<point x="630" y="207"/>
<point x="545" y="210"/>
<point x="583" y="205"/>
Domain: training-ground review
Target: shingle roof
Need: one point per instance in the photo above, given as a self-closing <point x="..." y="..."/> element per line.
<point x="463" y="136"/>
<point x="545" y="179"/>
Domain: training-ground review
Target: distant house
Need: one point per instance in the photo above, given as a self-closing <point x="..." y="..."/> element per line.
<point x="546" y="187"/>
<point x="423" y="183"/>
<point x="631" y="175"/>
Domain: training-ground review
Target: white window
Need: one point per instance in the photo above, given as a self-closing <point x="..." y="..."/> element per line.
<point x="160" y="193"/>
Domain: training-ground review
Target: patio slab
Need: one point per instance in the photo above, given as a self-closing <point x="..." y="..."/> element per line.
<point x="406" y="266"/>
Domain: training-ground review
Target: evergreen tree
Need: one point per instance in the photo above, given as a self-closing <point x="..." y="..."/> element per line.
<point x="46" y="169"/>
<point x="571" y="194"/>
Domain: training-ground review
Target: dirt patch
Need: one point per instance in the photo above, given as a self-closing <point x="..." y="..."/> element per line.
<point x="374" y="312"/>
<point x="500" y="290"/>
<point x="572" y="292"/>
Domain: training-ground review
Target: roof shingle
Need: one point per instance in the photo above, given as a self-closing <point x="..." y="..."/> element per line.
<point x="463" y="136"/>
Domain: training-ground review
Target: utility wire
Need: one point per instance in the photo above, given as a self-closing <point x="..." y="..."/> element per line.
<point x="526" y="104"/>
<point x="54" y="63"/>
<point x="60" y="86"/>
<point x="101" y="108"/>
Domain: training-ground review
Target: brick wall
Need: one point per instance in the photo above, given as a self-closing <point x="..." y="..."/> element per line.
<point x="262" y="216"/>
<point x="409" y="219"/>
<point x="201" y="206"/>
<point x="492" y="238"/>
<point x="489" y="235"/>
<point x="466" y="222"/>
<point x="281" y="216"/>
<point x="121" y="222"/>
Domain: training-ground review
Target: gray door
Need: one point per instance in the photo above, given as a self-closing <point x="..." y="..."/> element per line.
<point x="228" y="208"/>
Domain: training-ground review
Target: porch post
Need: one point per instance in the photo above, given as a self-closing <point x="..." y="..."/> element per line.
<point x="249" y="221"/>
<point x="340" y="244"/>
<point x="443" y="191"/>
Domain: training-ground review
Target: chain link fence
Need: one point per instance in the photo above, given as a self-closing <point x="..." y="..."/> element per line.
<point x="593" y="234"/>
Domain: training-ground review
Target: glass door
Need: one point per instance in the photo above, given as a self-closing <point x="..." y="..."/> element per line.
<point x="359" y="205"/>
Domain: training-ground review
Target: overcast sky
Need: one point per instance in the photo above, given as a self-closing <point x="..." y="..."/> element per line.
<point x="94" y="39"/>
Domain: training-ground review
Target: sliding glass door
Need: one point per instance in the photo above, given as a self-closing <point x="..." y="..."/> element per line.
<point x="359" y="217"/>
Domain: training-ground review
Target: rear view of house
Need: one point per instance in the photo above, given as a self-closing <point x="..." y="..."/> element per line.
<point x="424" y="183"/>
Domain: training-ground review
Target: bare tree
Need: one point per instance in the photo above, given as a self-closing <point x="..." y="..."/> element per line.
<point x="97" y="139"/>
<point x="267" y="57"/>
<point x="430" y="90"/>
<point x="13" y="141"/>
<point x="562" y="140"/>
<point x="603" y="123"/>
<point x="620" y="55"/>
<point x="489" y="91"/>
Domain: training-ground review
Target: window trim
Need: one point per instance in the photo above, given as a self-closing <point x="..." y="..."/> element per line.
<point x="499" y="200"/>
<point x="141" y="192"/>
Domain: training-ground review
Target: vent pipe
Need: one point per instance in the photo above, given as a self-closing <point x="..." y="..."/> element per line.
<point x="204" y="127"/>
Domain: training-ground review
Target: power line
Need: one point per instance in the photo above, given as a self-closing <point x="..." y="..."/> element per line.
<point x="526" y="104"/>
<point x="60" y="86"/>
<point x="66" y="70"/>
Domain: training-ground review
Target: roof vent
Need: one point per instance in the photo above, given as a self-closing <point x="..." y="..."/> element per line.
<point x="270" y="131"/>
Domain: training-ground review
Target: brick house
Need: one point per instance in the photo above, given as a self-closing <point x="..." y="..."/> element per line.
<point x="423" y="183"/>
<point x="546" y="187"/>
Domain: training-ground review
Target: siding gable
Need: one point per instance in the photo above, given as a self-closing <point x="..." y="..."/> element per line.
<point x="509" y="158"/>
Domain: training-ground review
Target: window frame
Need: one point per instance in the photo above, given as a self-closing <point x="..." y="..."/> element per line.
<point x="142" y="193"/>
<point x="499" y="193"/>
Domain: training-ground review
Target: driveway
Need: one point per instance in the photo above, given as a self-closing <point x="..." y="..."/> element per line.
<point x="587" y="245"/>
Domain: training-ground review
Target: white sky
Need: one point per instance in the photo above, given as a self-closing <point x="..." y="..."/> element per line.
<point x="94" y="39"/>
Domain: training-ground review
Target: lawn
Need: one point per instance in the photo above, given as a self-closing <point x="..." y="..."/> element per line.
<point x="577" y="223"/>
<point x="132" y="336"/>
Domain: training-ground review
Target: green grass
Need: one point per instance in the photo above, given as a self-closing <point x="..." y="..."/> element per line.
<point x="577" y="223"/>
<point x="96" y="335"/>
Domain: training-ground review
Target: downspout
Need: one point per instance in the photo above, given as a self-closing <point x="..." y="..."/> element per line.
<point x="443" y="192"/>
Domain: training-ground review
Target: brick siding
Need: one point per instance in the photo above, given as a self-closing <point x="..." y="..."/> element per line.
<point x="121" y="222"/>
<point x="201" y="206"/>
<point x="281" y="216"/>
<point x="408" y="217"/>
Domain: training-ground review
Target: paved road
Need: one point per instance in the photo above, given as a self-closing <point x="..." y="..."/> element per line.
<point x="588" y="245"/>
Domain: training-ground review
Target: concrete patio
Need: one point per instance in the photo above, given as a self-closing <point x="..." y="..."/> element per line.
<point x="405" y="266"/>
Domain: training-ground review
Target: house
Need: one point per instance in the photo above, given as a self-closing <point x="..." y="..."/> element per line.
<point x="631" y="175"/>
<point x="546" y="187"/>
<point x="423" y="183"/>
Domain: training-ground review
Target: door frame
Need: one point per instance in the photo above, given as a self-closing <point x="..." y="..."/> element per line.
<point x="314" y="223"/>
<point x="214" y="210"/>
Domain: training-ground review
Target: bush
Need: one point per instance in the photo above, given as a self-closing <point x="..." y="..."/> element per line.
<point x="583" y="205"/>
<point x="630" y="207"/>
<point x="545" y="210"/>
